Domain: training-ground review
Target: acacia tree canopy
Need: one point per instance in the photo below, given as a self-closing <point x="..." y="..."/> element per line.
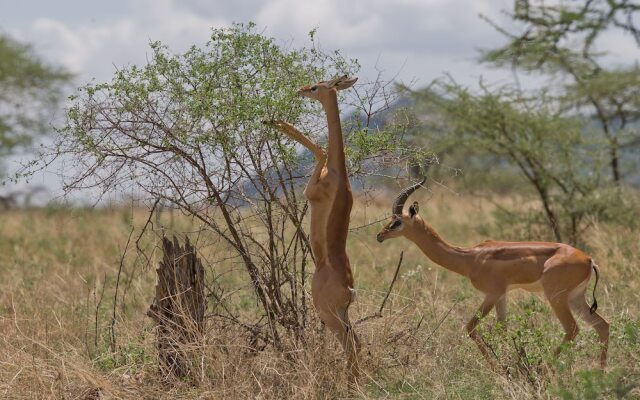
<point x="189" y="130"/>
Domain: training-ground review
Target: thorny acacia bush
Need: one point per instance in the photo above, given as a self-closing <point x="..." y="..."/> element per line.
<point x="188" y="131"/>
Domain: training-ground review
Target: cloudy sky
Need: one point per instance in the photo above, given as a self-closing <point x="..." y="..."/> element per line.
<point x="417" y="39"/>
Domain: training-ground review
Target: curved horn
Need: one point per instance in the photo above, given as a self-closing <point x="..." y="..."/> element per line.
<point x="398" y="204"/>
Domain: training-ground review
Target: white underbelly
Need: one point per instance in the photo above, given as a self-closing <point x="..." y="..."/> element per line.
<point x="529" y="287"/>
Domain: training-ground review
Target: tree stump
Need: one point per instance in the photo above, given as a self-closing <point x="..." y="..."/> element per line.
<point x="178" y="309"/>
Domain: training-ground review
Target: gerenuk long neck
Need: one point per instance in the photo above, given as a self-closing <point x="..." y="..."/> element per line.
<point x="440" y="252"/>
<point x="335" y="151"/>
<point x="338" y="222"/>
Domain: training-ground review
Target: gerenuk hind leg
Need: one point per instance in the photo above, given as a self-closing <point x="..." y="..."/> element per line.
<point x="599" y="324"/>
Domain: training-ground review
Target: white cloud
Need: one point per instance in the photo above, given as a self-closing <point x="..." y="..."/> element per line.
<point x="92" y="50"/>
<point x="383" y="25"/>
<point x="424" y="37"/>
<point x="427" y="37"/>
<point x="421" y="39"/>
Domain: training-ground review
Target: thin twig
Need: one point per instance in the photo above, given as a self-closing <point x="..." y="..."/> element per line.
<point x="144" y="230"/>
<point x="440" y="322"/>
<point x="98" y="303"/>
<point x="112" y="333"/>
<point x="368" y="224"/>
<point x="395" y="276"/>
<point x="393" y="281"/>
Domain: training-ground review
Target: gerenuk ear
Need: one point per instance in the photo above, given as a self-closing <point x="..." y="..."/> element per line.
<point x="344" y="83"/>
<point x="413" y="209"/>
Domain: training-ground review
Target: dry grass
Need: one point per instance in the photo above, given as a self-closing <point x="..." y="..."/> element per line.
<point x="58" y="278"/>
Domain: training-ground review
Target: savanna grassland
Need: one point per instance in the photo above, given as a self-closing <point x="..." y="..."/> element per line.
<point x="59" y="269"/>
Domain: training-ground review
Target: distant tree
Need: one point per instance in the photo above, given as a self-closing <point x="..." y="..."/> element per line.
<point x="544" y="146"/>
<point x="559" y="40"/>
<point x="560" y="137"/>
<point x="30" y="90"/>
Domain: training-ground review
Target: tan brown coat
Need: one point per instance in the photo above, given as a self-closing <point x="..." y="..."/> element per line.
<point x="560" y="271"/>
<point x="330" y="200"/>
